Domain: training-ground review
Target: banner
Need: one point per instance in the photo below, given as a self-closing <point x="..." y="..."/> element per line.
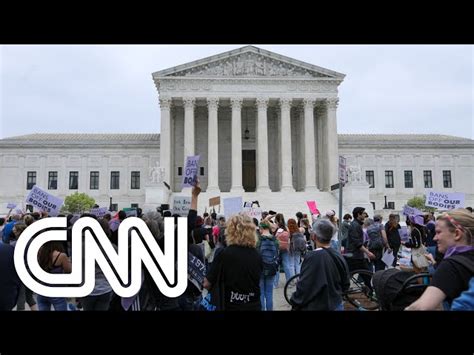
<point x="253" y="212"/>
<point x="181" y="205"/>
<point x="412" y="211"/>
<point x="191" y="171"/>
<point x="44" y="201"/>
<point x="196" y="269"/>
<point x="11" y="205"/>
<point x="232" y="205"/>
<point x="99" y="212"/>
<point x="445" y="200"/>
<point x="312" y="207"/>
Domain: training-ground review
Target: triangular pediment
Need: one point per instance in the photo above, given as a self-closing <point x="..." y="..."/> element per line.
<point x="249" y="61"/>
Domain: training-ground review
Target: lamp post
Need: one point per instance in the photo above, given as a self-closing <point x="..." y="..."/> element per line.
<point x="385" y="207"/>
<point x="110" y="205"/>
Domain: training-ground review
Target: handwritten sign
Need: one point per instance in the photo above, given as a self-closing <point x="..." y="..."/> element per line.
<point x="445" y="200"/>
<point x="191" y="171"/>
<point x="232" y="206"/>
<point x="181" y="205"/>
<point x="253" y="212"/>
<point x="11" y="206"/>
<point x="313" y="207"/>
<point x="215" y="201"/>
<point x="44" y="201"/>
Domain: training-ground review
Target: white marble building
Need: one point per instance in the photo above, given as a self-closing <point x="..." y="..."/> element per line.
<point x="265" y="126"/>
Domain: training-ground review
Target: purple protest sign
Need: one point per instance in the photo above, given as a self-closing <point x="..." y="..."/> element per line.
<point x="191" y="171"/>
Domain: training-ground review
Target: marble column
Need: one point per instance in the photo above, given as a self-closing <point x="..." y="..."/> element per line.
<point x="262" y="146"/>
<point x="309" y="153"/>
<point x="285" y="147"/>
<point x="188" y="127"/>
<point x="236" y="186"/>
<point x="165" y="140"/>
<point x="332" y="148"/>
<point x="213" y="140"/>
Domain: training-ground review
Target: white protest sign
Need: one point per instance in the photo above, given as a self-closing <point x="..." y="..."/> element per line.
<point x="253" y="212"/>
<point x="445" y="200"/>
<point x="232" y="206"/>
<point x="190" y="171"/>
<point x="181" y="205"/>
<point x="11" y="205"/>
<point x="99" y="212"/>
<point x="44" y="201"/>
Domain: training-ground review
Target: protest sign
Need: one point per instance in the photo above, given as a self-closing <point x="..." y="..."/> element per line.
<point x="11" y="205"/>
<point x="99" y="212"/>
<point x="411" y="211"/>
<point x="403" y="232"/>
<point x="313" y="207"/>
<point x="44" y="201"/>
<point x="130" y="212"/>
<point x="232" y="206"/>
<point x="181" y="205"/>
<point x="191" y="171"/>
<point x="215" y="201"/>
<point x="253" y="212"/>
<point x="445" y="200"/>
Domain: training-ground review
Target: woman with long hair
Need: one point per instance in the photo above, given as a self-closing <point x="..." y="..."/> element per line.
<point x="392" y="228"/>
<point x="53" y="259"/>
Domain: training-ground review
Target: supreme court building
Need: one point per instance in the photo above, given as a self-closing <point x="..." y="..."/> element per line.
<point x="265" y="127"/>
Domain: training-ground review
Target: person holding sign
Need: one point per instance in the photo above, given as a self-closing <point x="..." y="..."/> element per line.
<point x="454" y="235"/>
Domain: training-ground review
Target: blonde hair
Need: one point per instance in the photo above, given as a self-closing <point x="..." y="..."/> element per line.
<point x="461" y="219"/>
<point x="241" y="231"/>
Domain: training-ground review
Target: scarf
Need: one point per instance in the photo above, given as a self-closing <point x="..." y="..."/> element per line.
<point x="457" y="249"/>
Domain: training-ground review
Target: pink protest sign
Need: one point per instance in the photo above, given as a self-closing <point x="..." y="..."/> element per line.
<point x="312" y="207"/>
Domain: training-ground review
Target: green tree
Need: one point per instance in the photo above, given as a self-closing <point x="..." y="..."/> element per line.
<point x="419" y="202"/>
<point x="78" y="203"/>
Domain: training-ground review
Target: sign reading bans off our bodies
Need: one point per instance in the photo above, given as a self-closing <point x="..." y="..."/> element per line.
<point x="44" y="201"/>
<point x="445" y="200"/>
<point x="191" y="171"/>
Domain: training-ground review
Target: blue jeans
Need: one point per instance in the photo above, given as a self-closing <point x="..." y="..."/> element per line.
<point x="44" y="303"/>
<point x="295" y="263"/>
<point x="266" y="292"/>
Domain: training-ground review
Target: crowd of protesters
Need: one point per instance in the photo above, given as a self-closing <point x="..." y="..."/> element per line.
<point x="243" y="258"/>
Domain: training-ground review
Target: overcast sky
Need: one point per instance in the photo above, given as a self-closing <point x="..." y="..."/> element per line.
<point x="101" y="89"/>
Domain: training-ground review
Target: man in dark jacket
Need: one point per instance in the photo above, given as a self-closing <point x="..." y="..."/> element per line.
<point x="324" y="274"/>
<point x="355" y="241"/>
<point x="9" y="280"/>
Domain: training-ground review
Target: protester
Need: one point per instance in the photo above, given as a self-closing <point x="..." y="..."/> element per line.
<point x="392" y="228"/>
<point x="324" y="274"/>
<point x="297" y="246"/>
<point x="346" y="223"/>
<point x="238" y="267"/>
<point x="268" y="247"/>
<point x="454" y="235"/>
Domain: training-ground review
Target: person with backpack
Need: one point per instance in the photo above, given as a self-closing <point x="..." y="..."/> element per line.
<point x="324" y="274"/>
<point x="375" y="243"/>
<point x="297" y="246"/>
<point x="268" y="247"/>
<point x="454" y="235"/>
<point x="283" y="236"/>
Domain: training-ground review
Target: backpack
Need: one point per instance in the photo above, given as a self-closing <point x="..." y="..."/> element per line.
<point x="375" y="237"/>
<point x="268" y="251"/>
<point x="284" y="239"/>
<point x="298" y="243"/>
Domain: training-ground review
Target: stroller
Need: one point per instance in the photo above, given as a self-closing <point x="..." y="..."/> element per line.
<point x="396" y="289"/>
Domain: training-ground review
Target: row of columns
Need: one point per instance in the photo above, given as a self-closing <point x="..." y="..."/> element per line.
<point x="330" y="154"/>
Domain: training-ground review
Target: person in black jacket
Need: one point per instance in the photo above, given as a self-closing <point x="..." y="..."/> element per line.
<point x="392" y="228"/>
<point x="324" y="274"/>
<point x="9" y="281"/>
<point x="355" y="242"/>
